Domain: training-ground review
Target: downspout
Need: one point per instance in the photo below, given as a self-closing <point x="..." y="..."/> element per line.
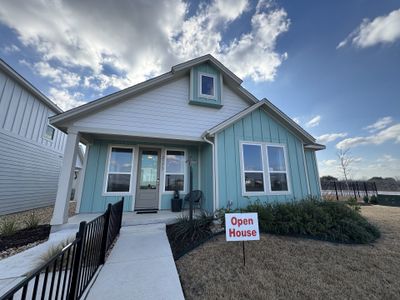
<point x="213" y="171"/>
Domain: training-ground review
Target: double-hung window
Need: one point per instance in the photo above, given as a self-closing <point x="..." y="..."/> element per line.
<point x="175" y="170"/>
<point x="253" y="168"/>
<point x="119" y="170"/>
<point x="264" y="165"/>
<point x="49" y="133"/>
<point x="277" y="168"/>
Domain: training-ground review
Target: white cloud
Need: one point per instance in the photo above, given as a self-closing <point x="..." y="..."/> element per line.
<point x="330" y="137"/>
<point x="380" y="124"/>
<point x="59" y="76"/>
<point x="10" y="49"/>
<point x="387" y="158"/>
<point x="314" y="121"/>
<point x="382" y="29"/>
<point x="391" y="133"/>
<point x="64" y="99"/>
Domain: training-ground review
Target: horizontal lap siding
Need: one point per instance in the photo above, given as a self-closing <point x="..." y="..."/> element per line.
<point x="258" y="127"/>
<point x="28" y="174"/>
<point x="165" y="110"/>
<point x="92" y="199"/>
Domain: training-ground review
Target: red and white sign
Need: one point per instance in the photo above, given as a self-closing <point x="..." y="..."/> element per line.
<point x="242" y="227"/>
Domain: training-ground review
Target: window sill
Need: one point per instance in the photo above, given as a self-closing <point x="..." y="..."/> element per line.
<point x="204" y="103"/>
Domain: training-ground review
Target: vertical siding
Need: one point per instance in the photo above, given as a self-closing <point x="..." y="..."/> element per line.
<point x="258" y="127"/>
<point x="206" y="174"/>
<point x="23" y="115"/>
<point x="311" y="165"/>
<point x="29" y="164"/>
<point x="93" y="199"/>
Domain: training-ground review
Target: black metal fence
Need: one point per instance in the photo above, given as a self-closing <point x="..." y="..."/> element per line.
<point x="68" y="273"/>
<point x="341" y="189"/>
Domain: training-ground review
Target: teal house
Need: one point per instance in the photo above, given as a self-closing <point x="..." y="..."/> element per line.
<point x="140" y="141"/>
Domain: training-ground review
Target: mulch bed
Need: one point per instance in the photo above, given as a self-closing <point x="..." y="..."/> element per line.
<point x="24" y="237"/>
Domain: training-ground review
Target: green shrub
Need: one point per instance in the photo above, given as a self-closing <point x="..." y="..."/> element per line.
<point x="325" y="220"/>
<point x="8" y="226"/>
<point x="190" y="231"/>
<point x="353" y="203"/>
<point x="32" y="221"/>
<point x="366" y="199"/>
<point x="373" y="199"/>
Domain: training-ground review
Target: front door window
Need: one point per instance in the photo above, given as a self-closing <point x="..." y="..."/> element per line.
<point x="148" y="174"/>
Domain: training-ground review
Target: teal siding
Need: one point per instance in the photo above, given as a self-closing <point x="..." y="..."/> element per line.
<point x="258" y="127"/>
<point x="312" y="170"/>
<point x="206" y="176"/>
<point x="92" y="199"/>
<point x="194" y="82"/>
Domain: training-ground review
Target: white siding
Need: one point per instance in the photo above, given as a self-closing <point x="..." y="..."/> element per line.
<point x="25" y="116"/>
<point x="29" y="164"/>
<point x="164" y="110"/>
<point x="28" y="174"/>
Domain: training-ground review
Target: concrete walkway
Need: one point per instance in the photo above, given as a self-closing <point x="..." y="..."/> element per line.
<point x="140" y="266"/>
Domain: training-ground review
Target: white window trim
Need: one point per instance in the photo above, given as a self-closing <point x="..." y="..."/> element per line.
<point x="106" y="172"/>
<point x="165" y="173"/>
<point x="266" y="173"/>
<point x="244" y="192"/>
<point x="214" y="97"/>
<point x="45" y="130"/>
<point x="281" y="172"/>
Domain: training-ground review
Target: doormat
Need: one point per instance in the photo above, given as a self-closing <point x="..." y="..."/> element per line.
<point x="149" y="211"/>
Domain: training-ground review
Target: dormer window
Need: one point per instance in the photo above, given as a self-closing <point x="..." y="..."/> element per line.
<point x="207" y="85"/>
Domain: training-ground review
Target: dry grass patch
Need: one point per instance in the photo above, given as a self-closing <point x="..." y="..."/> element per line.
<point x="280" y="267"/>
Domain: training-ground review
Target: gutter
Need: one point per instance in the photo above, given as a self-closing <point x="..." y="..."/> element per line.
<point x="213" y="171"/>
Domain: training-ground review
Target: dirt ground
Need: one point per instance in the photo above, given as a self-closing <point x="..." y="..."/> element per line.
<point x="279" y="267"/>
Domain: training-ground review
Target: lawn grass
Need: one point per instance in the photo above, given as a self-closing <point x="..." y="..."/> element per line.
<point x="279" y="267"/>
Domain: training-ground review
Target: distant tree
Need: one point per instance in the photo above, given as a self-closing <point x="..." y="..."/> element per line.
<point x="328" y="178"/>
<point x="345" y="162"/>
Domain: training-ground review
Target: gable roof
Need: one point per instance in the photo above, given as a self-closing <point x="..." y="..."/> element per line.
<point x="176" y="71"/>
<point x="275" y="112"/>
<point x="27" y="85"/>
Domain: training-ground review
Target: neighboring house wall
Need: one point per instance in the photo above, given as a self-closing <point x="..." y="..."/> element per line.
<point x="312" y="169"/>
<point x="257" y="127"/>
<point x="93" y="198"/>
<point x="206" y="176"/>
<point x="164" y="111"/>
<point x="30" y="163"/>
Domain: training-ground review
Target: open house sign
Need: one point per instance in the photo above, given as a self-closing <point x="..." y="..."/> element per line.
<point x="242" y="227"/>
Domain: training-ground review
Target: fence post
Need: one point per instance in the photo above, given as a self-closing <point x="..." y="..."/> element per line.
<point x="337" y="196"/>
<point x="354" y="190"/>
<point x="80" y="235"/>
<point x="103" y="248"/>
<point x="121" y="213"/>
<point x="376" y="189"/>
<point x="365" y="188"/>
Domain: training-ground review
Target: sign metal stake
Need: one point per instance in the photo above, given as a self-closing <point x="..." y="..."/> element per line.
<point x="244" y="256"/>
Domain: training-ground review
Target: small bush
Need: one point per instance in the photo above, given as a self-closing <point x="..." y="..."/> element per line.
<point x="373" y="199"/>
<point x="353" y="203"/>
<point x="325" y="220"/>
<point x="32" y="221"/>
<point x="366" y="199"/>
<point x="8" y="227"/>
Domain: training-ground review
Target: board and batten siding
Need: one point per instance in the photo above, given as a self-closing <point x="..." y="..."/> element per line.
<point x="29" y="163"/>
<point x="164" y="110"/>
<point x="257" y="127"/>
<point x="93" y="198"/>
<point x="312" y="169"/>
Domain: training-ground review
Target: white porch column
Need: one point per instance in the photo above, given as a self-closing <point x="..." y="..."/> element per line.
<point x="61" y="207"/>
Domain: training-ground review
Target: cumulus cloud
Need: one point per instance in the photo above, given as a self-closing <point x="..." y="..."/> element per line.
<point x="379" y="124"/>
<point x="314" y="121"/>
<point x="120" y="44"/>
<point x="64" y="99"/>
<point x="330" y="137"/>
<point x="391" y="133"/>
<point x="382" y="29"/>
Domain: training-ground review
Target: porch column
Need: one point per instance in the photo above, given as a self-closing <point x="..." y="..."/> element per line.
<point x="61" y="207"/>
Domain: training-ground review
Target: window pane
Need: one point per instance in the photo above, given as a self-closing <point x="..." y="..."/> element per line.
<point x="207" y="85"/>
<point x="175" y="162"/>
<point x="254" y="182"/>
<point x="278" y="182"/>
<point x="121" y="159"/>
<point x="49" y="134"/>
<point x="252" y="158"/>
<point x="148" y="174"/>
<point x="173" y="182"/>
<point x="118" y="182"/>
<point x="276" y="159"/>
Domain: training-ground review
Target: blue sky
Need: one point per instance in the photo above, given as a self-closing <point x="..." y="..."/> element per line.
<point x="333" y="66"/>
